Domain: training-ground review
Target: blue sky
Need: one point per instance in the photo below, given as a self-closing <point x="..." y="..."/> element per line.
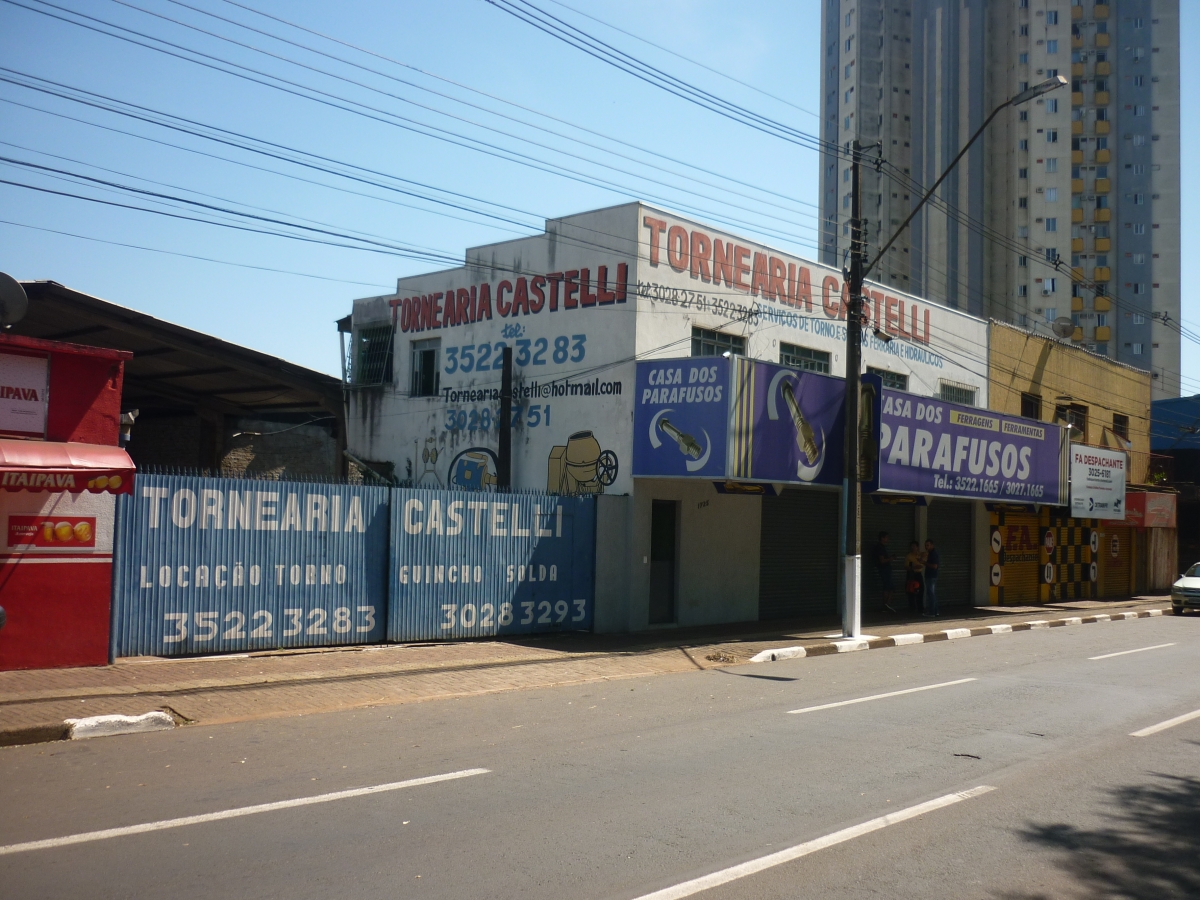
<point x="771" y="45"/>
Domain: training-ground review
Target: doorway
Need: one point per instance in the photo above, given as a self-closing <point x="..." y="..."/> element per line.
<point x="664" y="518"/>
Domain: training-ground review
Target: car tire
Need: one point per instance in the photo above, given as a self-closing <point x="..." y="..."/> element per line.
<point x="1177" y="610"/>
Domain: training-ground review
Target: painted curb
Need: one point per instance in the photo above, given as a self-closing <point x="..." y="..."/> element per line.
<point x="948" y="634"/>
<point x="33" y="734"/>
<point x="106" y="726"/>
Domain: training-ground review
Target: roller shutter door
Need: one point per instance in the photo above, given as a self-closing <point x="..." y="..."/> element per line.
<point x="899" y="521"/>
<point x="1020" y="558"/>
<point x="798" y="559"/>
<point x="949" y="526"/>
<point x="1116" y="555"/>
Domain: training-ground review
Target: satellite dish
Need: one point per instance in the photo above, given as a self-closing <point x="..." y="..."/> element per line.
<point x="13" y="302"/>
<point x="1063" y="327"/>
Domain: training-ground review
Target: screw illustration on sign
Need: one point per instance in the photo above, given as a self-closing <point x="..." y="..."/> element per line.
<point x="788" y="424"/>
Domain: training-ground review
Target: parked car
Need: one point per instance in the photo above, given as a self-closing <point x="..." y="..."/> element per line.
<point x="1185" y="593"/>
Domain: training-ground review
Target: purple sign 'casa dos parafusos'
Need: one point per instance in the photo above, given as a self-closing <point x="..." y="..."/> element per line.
<point x="932" y="447"/>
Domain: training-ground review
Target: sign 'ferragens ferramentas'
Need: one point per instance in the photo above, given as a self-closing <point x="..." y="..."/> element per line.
<point x="928" y="446"/>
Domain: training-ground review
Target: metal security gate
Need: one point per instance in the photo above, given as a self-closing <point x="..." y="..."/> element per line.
<point x="949" y="526"/>
<point x="899" y="520"/>
<point x="798" y="557"/>
<point x="1016" y="549"/>
<point x="1116" y="556"/>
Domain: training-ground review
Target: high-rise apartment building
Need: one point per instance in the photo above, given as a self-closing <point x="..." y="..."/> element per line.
<point x="1088" y="177"/>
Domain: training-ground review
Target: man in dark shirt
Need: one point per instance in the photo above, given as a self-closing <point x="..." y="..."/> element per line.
<point x="932" y="563"/>
<point x="882" y="561"/>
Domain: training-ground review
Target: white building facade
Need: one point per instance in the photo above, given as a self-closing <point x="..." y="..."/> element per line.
<point x="580" y="306"/>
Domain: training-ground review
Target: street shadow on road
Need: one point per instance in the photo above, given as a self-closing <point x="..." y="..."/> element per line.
<point x="1146" y="851"/>
<point x="752" y="675"/>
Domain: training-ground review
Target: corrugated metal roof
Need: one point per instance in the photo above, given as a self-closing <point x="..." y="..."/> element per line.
<point x="175" y="367"/>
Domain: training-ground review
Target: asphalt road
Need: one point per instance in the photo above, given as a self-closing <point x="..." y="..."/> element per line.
<point x="623" y="789"/>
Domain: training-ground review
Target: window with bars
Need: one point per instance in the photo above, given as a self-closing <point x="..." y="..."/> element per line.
<point x="716" y="343"/>
<point x="893" y="380"/>
<point x="957" y="393"/>
<point x="804" y="358"/>
<point x="371" y="362"/>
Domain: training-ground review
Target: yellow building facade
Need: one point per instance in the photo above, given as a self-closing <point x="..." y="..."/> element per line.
<point x="1043" y="555"/>
<point x="1108" y="402"/>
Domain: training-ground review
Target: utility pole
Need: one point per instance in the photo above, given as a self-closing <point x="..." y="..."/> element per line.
<point x="504" y="456"/>
<point x="855" y="275"/>
<point x="851" y="495"/>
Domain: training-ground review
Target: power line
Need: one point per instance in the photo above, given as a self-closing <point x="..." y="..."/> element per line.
<point x="413" y="84"/>
<point x="240" y="141"/>
<point x="223" y="262"/>
<point x="387" y="117"/>
<point x="677" y="55"/>
<point x="652" y="75"/>
<point x="458" y="84"/>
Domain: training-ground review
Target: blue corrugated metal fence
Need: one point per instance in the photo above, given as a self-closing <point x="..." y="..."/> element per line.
<point x="477" y="565"/>
<point x="214" y="565"/>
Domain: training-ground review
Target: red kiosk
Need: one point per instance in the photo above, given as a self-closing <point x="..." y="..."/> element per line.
<point x="61" y="466"/>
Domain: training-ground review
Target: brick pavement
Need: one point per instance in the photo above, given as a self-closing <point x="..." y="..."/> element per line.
<point x="229" y="688"/>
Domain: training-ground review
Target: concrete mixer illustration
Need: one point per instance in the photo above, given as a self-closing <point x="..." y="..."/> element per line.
<point x="580" y="466"/>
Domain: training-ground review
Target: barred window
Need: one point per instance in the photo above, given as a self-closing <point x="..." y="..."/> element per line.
<point x="957" y="393"/>
<point x="893" y="380"/>
<point x="803" y="358"/>
<point x="371" y="362"/>
<point x="716" y="343"/>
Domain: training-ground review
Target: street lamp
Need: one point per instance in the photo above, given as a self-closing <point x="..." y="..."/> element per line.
<point x="1025" y="96"/>
<point x="859" y="269"/>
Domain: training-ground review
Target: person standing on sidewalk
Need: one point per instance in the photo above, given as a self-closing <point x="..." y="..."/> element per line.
<point x="933" y="562"/>
<point x="914" y="577"/>
<point x="883" y="565"/>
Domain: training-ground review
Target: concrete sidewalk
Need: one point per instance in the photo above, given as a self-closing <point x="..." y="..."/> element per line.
<point x="33" y="704"/>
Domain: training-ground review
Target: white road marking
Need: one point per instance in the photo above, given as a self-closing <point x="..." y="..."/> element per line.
<point x="1163" y="726"/>
<point x="1138" y="650"/>
<point x="928" y="687"/>
<point x="953" y="634"/>
<point x="754" y="866"/>
<point x="904" y="639"/>
<point x="1000" y="629"/>
<point x="89" y="836"/>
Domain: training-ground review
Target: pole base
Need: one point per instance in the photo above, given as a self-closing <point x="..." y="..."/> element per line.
<point x="852" y="612"/>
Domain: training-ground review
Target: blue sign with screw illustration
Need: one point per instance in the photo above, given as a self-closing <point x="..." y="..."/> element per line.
<point x="681" y="418"/>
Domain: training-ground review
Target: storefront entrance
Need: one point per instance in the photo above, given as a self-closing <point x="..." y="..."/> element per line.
<point x="798" y="562"/>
